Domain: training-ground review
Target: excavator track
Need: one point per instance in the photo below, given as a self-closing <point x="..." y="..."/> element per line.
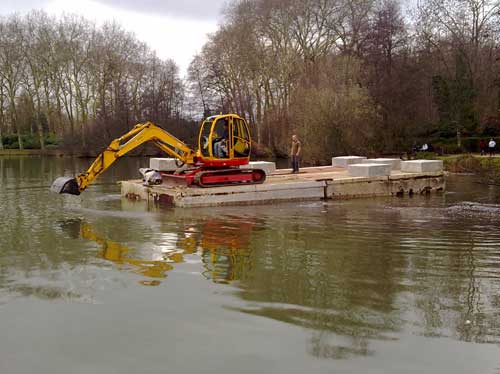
<point x="229" y="177"/>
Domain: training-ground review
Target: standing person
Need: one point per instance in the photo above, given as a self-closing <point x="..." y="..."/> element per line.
<point x="482" y="146"/>
<point x="491" y="145"/>
<point x="295" y="153"/>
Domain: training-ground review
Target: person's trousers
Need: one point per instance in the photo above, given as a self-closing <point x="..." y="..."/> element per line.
<point x="295" y="163"/>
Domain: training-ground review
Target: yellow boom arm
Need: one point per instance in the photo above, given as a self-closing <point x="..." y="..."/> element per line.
<point x="140" y="134"/>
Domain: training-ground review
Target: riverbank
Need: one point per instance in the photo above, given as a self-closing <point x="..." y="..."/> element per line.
<point x="65" y="153"/>
<point x="486" y="167"/>
<point x="463" y="163"/>
<point x="32" y="152"/>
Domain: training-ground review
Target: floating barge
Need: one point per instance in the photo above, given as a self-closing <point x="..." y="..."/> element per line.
<point x="355" y="178"/>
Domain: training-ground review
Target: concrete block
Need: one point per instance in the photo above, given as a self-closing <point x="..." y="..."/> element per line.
<point x="345" y="161"/>
<point x="369" y="170"/>
<point x="267" y="166"/>
<point x="422" y="166"/>
<point x="163" y="164"/>
<point x="395" y="162"/>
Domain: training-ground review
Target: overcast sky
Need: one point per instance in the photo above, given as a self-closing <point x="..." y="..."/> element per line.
<point x="176" y="29"/>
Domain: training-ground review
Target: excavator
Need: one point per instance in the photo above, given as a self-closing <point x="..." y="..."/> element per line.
<point x="224" y="145"/>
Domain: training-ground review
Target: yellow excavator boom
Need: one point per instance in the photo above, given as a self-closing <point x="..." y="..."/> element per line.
<point x="140" y="134"/>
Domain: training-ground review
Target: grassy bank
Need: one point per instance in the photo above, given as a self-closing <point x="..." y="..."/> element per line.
<point x="468" y="163"/>
<point x="150" y="151"/>
<point x="487" y="168"/>
<point x="31" y="152"/>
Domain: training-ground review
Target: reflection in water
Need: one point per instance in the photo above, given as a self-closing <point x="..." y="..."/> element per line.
<point x="119" y="254"/>
<point x="223" y="246"/>
<point x="225" y="249"/>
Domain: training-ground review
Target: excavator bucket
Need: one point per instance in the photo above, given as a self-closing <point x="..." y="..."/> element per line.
<point x="65" y="185"/>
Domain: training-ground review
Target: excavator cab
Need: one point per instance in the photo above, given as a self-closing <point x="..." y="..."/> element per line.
<point x="224" y="138"/>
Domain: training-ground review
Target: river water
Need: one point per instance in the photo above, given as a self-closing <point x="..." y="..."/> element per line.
<point x="97" y="284"/>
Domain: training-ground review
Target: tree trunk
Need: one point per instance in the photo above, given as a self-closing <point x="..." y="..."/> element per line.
<point x="50" y="125"/>
<point x="39" y="121"/>
<point x="60" y="115"/>
<point x="1" y="127"/>
<point x="259" y="113"/>
<point x="13" y="118"/>
<point x="2" y="116"/>
<point x="83" y="124"/>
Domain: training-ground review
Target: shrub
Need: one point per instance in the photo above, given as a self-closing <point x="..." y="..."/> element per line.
<point x="51" y="139"/>
<point x="30" y="141"/>
<point x="426" y="155"/>
<point x="12" y="145"/>
<point x="8" y="140"/>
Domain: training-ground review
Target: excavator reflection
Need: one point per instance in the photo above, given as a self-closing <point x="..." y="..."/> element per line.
<point x="117" y="253"/>
<point x="222" y="246"/>
<point x="225" y="250"/>
<point x="153" y="269"/>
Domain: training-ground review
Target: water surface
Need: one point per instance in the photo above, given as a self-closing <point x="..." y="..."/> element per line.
<point x="97" y="284"/>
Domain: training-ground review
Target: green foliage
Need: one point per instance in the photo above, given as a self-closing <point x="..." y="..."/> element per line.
<point x="10" y="141"/>
<point x="447" y="130"/>
<point x="51" y="139"/>
<point x="30" y="141"/>
<point x="441" y="95"/>
<point x="426" y="155"/>
<point x="448" y="146"/>
<point x="454" y="99"/>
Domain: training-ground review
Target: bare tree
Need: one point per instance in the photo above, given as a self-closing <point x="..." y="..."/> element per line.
<point x="12" y="66"/>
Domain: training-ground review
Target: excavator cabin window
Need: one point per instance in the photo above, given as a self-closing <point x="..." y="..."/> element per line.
<point x="206" y="127"/>
<point x="221" y="143"/>
<point x="241" y="138"/>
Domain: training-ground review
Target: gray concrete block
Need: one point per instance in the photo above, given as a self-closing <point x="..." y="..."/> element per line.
<point x="267" y="166"/>
<point x="163" y="164"/>
<point x="422" y="166"/>
<point x="369" y="170"/>
<point x="395" y="162"/>
<point x="345" y="161"/>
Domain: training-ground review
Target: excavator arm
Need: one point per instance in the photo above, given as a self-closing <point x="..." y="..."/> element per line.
<point x="140" y="134"/>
